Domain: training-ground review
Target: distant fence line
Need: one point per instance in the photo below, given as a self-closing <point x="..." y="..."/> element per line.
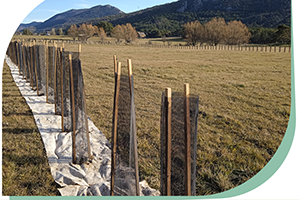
<point x="259" y="48"/>
<point x="286" y="49"/>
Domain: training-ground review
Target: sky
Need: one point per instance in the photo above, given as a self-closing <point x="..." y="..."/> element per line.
<point x="49" y="8"/>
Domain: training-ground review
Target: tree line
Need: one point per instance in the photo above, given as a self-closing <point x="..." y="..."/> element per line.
<point x="85" y="31"/>
<point x="215" y="32"/>
<point x="281" y="35"/>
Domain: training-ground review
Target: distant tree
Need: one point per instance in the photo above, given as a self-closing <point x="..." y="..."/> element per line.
<point x="153" y="33"/>
<point x="126" y="32"/>
<point x="85" y="31"/>
<point x="53" y="32"/>
<point x="117" y="32"/>
<point x="26" y="32"/>
<point x="60" y="31"/>
<point x="129" y="33"/>
<point x="283" y="34"/>
<point x="101" y="33"/>
<point x="73" y="31"/>
<point x="107" y="27"/>
<point x="236" y="33"/>
<point x="215" y="30"/>
<point x="262" y="35"/>
<point x="194" y="33"/>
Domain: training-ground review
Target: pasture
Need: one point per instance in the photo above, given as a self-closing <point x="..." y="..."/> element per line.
<point x="243" y="113"/>
<point x="244" y="108"/>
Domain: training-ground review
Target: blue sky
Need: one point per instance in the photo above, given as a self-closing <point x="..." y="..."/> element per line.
<point x="49" y="8"/>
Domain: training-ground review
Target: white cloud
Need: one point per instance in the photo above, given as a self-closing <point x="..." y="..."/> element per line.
<point x="82" y="5"/>
<point x="48" y="10"/>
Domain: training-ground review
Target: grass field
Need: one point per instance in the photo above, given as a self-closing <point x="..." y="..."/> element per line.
<point x="25" y="169"/>
<point x="243" y="113"/>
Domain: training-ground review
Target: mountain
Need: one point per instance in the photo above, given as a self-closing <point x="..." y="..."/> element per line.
<point x="32" y="24"/>
<point x="75" y="16"/>
<point x="171" y="16"/>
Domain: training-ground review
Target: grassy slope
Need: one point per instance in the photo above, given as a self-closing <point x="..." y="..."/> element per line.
<point x="243" y="113"/>
<point x="25" y="169"/>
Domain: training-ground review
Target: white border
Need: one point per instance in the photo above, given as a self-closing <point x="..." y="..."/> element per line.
<point x="284" y="184"/>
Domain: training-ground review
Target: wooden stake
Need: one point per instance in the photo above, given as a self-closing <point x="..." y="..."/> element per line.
<point x="47" y="71"/>
<point x="115" y="64"/>
<point x="28" y="66"/>
<point x="187" y="133"/>
<point x="73" y="112"/>
<point x="134" y="133"/>
<point x="24" y="62"/>
<point x="54" y="75"/>
<point x="62" y="90"/>
<point x="115" y="123"/>
<point x="79" y="49"/>
<point x="18" y="58"/>
<point x="168" y="106"/>
<point x="31" y="67"/>
<point x="35" y="69"/>
<point x="129" y="74"/>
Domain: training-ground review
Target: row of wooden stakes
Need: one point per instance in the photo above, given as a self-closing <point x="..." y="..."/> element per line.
<point x="33" y="78"/>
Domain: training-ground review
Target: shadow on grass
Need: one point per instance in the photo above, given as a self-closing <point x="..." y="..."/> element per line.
<point x="23" y="160"/>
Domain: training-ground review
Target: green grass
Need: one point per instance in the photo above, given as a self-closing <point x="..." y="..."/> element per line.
<point x="25" y="168"/>
<point x="244" y="106"/>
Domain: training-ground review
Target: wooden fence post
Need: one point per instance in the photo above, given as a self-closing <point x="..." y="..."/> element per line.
<point x="73" y="112"/>
<point x="168" y="106"/>
<point x="31" y="67"/>
<point x="24" y="61"/>
<point x="54" y="79"/>
<point x="35" y="69"/>
<point x="115" y="63"/>
<point x="27" y="64"/>
<point x="187" y="133"/>
<point x="47" y="73"/>
<point x="115" y="125"/>
<point x="18" y="57"/>
<point x="62" y="90"/>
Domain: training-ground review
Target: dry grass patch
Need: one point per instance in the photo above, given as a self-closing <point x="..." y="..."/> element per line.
<point x="244" y="106"/>
<point x="243" y="114"/>
<point x="25" y="168"/>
